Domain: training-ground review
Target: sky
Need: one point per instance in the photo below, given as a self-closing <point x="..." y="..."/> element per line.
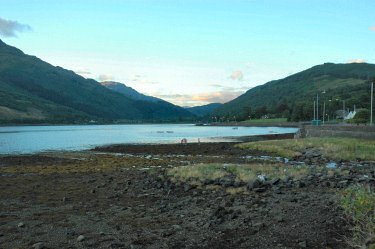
<point x="191" y="52"/>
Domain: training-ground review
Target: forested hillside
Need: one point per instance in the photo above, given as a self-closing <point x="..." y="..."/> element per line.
<point x="293" y="97"/>
<point x="33" y="91"/>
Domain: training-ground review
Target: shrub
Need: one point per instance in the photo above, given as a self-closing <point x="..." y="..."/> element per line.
<point x="358" y="203"/>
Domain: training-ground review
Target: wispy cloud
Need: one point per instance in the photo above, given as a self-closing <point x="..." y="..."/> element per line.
<point x="201" y="98"/>
<point x="135" y="77"/>
<point x="237" y="75"/>
<point x="83" y="73"/>
<point x="373" y="28"/>
<point x="9" y="28"/>
<point x="105" y="77"/>
<point x="356" y="61"/>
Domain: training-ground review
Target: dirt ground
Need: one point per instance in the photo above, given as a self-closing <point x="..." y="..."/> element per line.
<point x="120" y="197"/>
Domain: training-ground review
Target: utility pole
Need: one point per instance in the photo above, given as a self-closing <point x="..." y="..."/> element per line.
<point x="372" y="100"/>
<point x="317" y="107"/>
<point x="324" y="111"/>
<point x="314" y="110"/>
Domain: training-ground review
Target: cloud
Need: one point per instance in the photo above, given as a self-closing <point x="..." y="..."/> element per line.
<point x="83" y="73"/>
<point x="105" y="77"/>
<point x="249" y="64"/>
<point x="373" y="28"/>
<point x="217" y="85"/>
<point x="9" y="28"/>
<point x="201" y="98"/>
<point x="356" y="61"/>
<point x="237" y="75"/>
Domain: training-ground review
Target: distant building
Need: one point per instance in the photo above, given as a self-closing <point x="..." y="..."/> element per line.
<point x="341" y="114"/>
<point x="350" y="115"/>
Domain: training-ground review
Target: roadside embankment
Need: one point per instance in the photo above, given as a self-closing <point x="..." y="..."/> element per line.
<point x="260" y="124"/>
<point x="349" y="131"/>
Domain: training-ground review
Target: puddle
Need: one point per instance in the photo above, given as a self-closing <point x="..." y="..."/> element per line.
<point x="331" y="165"/>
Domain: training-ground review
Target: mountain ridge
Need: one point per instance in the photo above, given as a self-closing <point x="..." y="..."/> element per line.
<point x="296" y="93"/>
<point x="27" y="84"/>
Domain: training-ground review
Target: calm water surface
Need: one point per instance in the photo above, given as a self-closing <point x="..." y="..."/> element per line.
<point x="32" y="139"/>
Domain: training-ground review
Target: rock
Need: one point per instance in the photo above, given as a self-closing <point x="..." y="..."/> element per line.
<point x="302" y="244"/>
<point x="301" y="184"/>
<point x="81" y="238"/>
<point x="188" y="187"/>
<point x="64" y="199"/>
<point x="279" y="218"/>
<point x="1" y="234"/>
<point x="275" y="180"/>
<point x="70" y="232"/>
<point x="177" y="227"/>
<point x="254" y="183"/>
<point x="226" y="182"/>
<point x="21" y="224"/>
<point x="92" y="191"/>
<point x="259" y="190"/>
<point x="208" y="182"/>
<point x="38" y="245"/>
<point x="342" y="183"/>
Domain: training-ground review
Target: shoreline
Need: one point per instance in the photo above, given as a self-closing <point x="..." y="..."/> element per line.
<point x="123" y="196"/>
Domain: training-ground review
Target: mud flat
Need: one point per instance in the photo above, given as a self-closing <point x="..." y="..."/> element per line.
<point x="128" y="197"/>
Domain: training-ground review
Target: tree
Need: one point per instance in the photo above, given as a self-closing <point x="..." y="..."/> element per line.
<point x="362" y="116"/>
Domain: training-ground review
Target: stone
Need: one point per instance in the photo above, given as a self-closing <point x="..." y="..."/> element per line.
<point x="70" y="232"/>
<point x="259" y="190"/>
<point x="254" y="183"/>
<point x="342" y="183"/>
<point x="302" y="244"/>
<point x="21" y="224"/>
<point x="81" y="238"/>
<point x="187" y="187"/>
<point x="226" y="182"/>
<point x="279" y="218"/>
<point x="64" y="199"/>
<point x="1" y="234"/>
<point x="177" y="227"/>
<point x="38" y="245"/>
<point x="301" y="184"/>
<point x="275" y="180"/>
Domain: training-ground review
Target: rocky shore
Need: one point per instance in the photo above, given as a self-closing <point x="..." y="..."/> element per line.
<point x="124" y="197"/>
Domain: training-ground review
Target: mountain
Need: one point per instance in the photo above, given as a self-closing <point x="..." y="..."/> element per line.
<point x="33" y="91"/>
<point x="128" y="91"/>
<point x="204" y="109"/>
<point x="293" y="97"/>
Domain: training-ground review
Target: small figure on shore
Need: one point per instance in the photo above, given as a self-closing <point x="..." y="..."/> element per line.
<point x="199" y="141"/>
<point x="183" y="141"/>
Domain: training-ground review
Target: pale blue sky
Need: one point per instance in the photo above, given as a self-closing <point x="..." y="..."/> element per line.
<point x="192" y="52"/>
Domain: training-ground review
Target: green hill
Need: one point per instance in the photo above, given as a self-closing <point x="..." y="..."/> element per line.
<point x="33" y="91"/>
<point x="293" y="96"/>
<point x="129" y="92"/>
<point x="204" y="109"/>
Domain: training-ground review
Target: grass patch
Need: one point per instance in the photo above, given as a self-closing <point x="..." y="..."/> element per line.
<point x="335" y="148"/>
<point x="266" y="120"/>
<point x="241" y="173"/>
<point x="235" y="191"/>
<point x="358" y="203"/>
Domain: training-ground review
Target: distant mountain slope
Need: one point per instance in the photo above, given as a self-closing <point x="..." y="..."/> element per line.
<point x="158" y="107"/>
<point x="128" y="91"/>
<point x="295" y="94"/>
<point x="204" y="109"/>
<point x="32" y="90"/>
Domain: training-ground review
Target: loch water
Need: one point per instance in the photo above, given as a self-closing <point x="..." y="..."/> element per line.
<point x="33" y="139"/>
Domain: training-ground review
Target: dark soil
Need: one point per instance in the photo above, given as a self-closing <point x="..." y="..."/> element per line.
<point x="122" y="205"/>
